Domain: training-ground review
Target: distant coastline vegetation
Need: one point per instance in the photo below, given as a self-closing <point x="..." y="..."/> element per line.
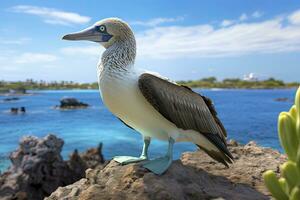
<point x="210" y="82"/>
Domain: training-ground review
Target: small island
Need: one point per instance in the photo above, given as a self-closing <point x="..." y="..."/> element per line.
<point x="70" y="103"/>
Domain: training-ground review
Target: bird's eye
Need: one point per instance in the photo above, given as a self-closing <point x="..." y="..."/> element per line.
<point x="102" y="28"/>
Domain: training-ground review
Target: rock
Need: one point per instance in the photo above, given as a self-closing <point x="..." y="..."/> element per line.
<point x="14" y="110"/>
<point x="38" y="168"/>
<point x="194" y="176"/>
<point x="283" y="99"/>
<point x="22" y="109"/>
<point x="71" y="103"/>
<point x="233" y="143"/>
<point x="11" y="99"/>
<point x="92" y="157"/>
<point x="250" y="161"/>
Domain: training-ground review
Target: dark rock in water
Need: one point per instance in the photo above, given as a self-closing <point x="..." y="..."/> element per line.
<point x="11" y="99"/>
<point x="22" y="109"/>
<point x="38" y="169"/>
<point x="194" y="176"/>
<point x="71" y="103"/>
<point x="14" y="110"/>
<point x="283" y="99"/>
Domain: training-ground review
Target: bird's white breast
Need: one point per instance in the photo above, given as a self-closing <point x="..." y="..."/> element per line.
<point x="120" y="93"/>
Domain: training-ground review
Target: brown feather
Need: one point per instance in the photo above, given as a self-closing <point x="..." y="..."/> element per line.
<point x="187" y="110"/>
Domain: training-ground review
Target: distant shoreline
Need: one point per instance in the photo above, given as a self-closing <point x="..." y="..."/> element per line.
<point x="36" y="91"/>
<point x="21" y="87"/>
<point x="33" y="91"/>
<point x="212" y="82"/>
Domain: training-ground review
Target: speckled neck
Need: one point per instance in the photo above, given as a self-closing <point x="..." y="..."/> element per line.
<point x="121" y="55"/>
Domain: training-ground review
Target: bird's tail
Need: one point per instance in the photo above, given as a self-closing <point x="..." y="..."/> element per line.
<point x="213" y="146"/>
<point x="218" y="156"/>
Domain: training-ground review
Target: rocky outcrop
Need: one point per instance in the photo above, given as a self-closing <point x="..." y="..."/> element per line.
<point x="71" y="103"/>
<point x="38" y="168"/>
<point x="194" y="176"/>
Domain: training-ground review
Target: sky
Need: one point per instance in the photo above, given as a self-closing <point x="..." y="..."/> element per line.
<point x="183" y="40"/>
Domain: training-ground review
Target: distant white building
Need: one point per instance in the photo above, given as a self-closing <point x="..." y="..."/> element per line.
<point x="250" y="77"/>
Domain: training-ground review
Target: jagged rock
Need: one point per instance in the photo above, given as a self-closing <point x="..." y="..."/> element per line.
<point x="93" y="156"/>
<point x="38" y="169"/>
<point x="71" y="103"/>
<point x="194" y="176"/>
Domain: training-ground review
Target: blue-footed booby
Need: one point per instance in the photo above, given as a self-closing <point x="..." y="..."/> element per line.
<point x="149" y="103"/>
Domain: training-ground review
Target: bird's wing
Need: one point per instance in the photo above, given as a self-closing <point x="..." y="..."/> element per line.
<point x="187" y="110"/>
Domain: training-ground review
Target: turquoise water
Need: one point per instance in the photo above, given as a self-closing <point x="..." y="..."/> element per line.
<point x="246" y="114"/>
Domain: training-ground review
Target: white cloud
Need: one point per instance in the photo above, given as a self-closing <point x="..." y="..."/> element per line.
<point x="271" y="36"/>
<point x="257" y="14"/>
<point x="28" y="58"/>
<point x="243" y="17"/>
<point x="294" y="18"/>
<point x="85" y="50"/>
<point x="205" y="40"/>
<point x="156" y="21"/>
<point x="19" y="41"/>
<point x="227" y="22"/>
<point x="52" y="16"/>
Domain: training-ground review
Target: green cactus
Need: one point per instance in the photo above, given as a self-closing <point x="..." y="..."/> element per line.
<point x="287" y="187"/>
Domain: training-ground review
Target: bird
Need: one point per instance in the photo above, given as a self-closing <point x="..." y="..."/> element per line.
<point x="149" y="103"/>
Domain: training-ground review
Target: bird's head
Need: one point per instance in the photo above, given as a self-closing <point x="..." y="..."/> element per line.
<point x="106" y="32"/>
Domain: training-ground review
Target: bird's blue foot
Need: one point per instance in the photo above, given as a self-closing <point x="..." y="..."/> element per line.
<point x="129" y="159"/>
<point x="159" y="165"/>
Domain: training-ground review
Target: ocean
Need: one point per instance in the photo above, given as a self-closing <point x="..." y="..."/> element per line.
<point x="246" y="114"/>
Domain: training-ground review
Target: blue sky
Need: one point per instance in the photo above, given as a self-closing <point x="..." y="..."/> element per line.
<point x="179" y="39"/>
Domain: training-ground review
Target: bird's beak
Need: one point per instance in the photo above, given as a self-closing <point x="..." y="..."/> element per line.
<point x="87" y="34"/>
<point x="90" y="34"/>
